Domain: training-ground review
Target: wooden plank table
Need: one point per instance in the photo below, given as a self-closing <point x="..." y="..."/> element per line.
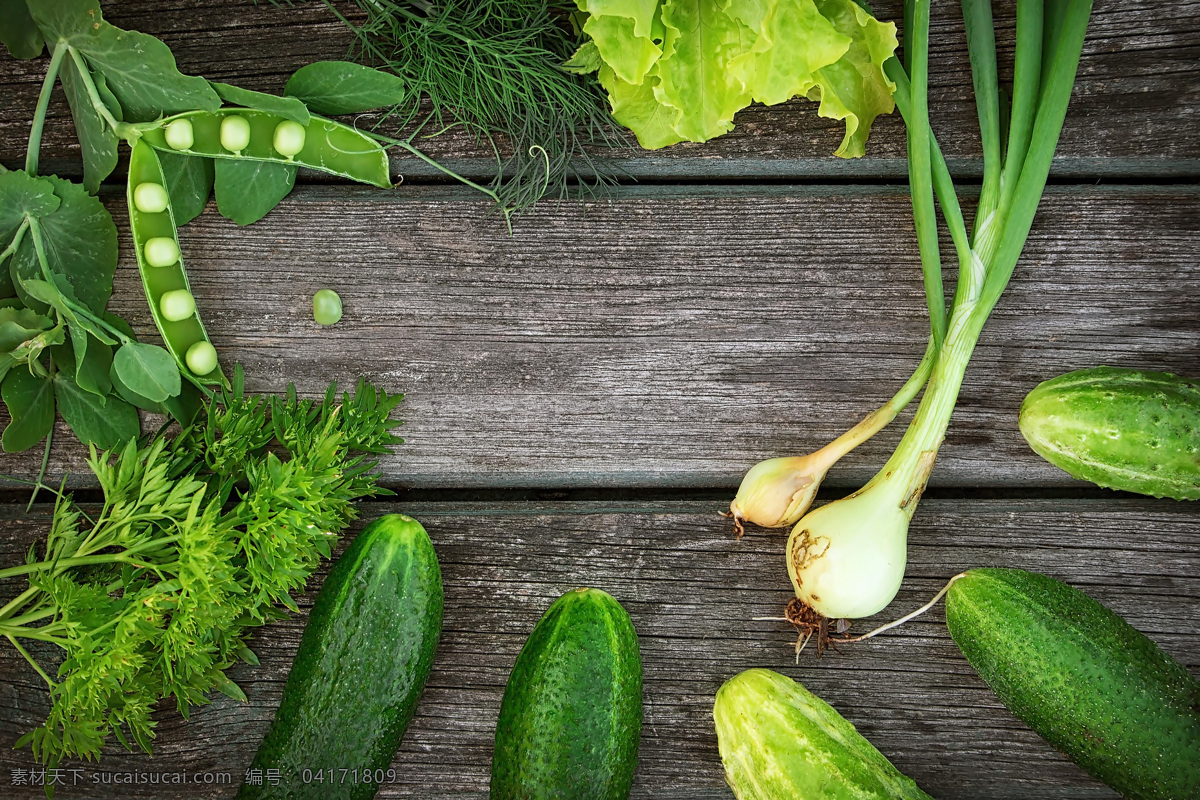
<point x="584" y="395"/>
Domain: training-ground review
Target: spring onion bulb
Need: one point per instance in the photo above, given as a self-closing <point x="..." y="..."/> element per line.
<point x="777" y="492"/>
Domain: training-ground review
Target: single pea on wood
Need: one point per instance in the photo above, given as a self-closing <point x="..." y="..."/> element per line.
<point x="156" y="243"/>
<point x="327" y="307"/>
<point x="247" y="133"/>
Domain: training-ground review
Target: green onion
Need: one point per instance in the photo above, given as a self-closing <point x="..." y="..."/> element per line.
<point x="846" y="559"/>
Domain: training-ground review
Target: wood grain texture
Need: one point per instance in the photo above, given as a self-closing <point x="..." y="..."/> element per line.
<point x="1133" y="113"/>
<point x="692" y="591"/>
<point x="673" y="336"/>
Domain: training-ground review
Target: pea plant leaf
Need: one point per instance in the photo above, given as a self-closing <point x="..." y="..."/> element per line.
<point x="89" y="359"/>
<point x="183" y="407"/>
<point x="18" y="31"/>
<point x="247" y="190"/>
<point x="30" y="401"/>
<point x="147" y="370"/>
<point x="97" y="140"/>
<point x="107" y="422"/>
<point x="286" y="107"/>
<point x="189" y="183"/>
<point x="22" y="195"/>
<point x="109" y="99"/>
<point x="139" y="69"/>
<point x="80" y="240"/>
<point x="19" y="325"/>
<point x="343" y="87"/>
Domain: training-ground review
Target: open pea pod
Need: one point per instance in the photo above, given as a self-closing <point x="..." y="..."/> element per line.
<point x="156" y="240"/>
<point x="322" y="144"/>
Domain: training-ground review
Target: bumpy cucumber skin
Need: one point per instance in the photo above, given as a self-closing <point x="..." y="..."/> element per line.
<point x="571" y="716"/>
<point x="779" y="741"/>
<point x="1120" y="429"/>
<point x="363" y="661"/>
<point x="1083" y="678"/>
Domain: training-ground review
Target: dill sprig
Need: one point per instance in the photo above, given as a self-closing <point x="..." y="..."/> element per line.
<point x="200" y="538"/>
<point x="494" y="68"/>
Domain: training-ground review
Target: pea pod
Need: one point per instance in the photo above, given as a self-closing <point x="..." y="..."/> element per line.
<point x="322" y="144"/>
<point x="156" y="242"/>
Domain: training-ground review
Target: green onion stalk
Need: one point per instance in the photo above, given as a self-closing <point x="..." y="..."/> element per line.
<point x="846" y="559"/>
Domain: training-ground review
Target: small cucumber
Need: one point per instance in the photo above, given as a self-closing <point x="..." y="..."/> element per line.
<point x="779" y="741"/>
<point x="1083" y="679"/>
<point x="1120" y="429"/>
<point x="363" y="661"/>
<point x="572" y="711"/>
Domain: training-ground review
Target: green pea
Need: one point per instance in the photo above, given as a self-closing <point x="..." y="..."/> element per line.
<point x="321" y="144"/>
<point x="327" y="307"/>
<point x="179" y="134"/>
<point x="156" y="240"/>
<point x="289" y="138"/>
<point x="176" y="305"/>
<point x="235" y="133"/>
<point x="161" y="251"/>
<point x="150" y="198"/>
<point x="201" y="358"/>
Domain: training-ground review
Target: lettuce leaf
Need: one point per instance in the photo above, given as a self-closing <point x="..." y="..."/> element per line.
<point x="679" y="70"/>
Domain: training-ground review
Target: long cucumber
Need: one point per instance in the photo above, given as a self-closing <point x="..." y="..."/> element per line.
<point x="1083" y="678"/>
<point x="363" y="661"/>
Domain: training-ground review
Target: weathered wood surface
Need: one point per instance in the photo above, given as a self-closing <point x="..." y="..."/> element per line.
<point x="1133" y="112"/>
<point x="675" y="335"/>
<point x="692" y="591"/>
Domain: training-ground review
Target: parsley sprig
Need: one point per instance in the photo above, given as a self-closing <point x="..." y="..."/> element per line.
<point x="201" y="537"/>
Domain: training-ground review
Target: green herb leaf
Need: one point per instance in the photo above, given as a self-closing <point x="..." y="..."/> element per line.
<point x="286" y="107"/>
<point x="96" y="139"/>
<point x="343" y="87"/>
<point x="18" y="31"/>
<point x="229" y="688"/>
<point x="247" y="190"/>
<point x="106" y="422"/>
<point x="81" y="246"/>
<point x="30" y="401"/>
<point x="140" y="69"/>
<point x="189" y="183"/>
<point x="147" y="370"/>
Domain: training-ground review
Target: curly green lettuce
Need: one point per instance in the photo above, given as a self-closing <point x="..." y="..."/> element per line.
<point x="679" y="70"/>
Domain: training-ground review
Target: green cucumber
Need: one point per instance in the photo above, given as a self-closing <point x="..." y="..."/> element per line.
<point x="572" y="711"/>
<point x="363" y="661"/>
<point x="1119" y="428"/>
<point x="1083" y="679"/>
<point x="779" y="741"/>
